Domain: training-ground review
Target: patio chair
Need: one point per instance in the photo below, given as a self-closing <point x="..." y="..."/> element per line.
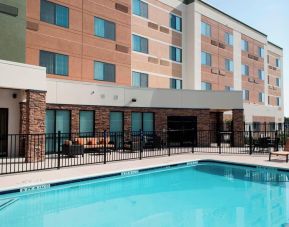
<point x="284" y="153"/>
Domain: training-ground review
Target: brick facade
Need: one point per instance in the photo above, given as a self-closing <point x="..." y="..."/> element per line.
<point x="238" y="127"/>
<point x="34" y="118"/>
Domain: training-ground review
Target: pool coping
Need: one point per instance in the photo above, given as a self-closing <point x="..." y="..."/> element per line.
<point x="35" y="187"/>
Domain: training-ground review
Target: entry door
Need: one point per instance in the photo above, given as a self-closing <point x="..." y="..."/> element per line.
<point x="3" y="132"/>
<point x="182" y="130"/>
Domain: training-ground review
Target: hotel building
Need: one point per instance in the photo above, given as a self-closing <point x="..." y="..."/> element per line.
<point x="133" y="65"/>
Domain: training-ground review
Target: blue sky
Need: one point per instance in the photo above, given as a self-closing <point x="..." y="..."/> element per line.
<point x="268" y="16"/>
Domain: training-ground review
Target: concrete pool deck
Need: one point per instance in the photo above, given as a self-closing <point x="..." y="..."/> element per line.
<point x="14" y="181"/>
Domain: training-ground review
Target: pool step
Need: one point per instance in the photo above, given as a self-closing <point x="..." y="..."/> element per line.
<point x="6" y="202"/>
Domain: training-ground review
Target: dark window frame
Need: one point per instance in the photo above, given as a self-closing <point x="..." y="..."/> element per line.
<point x="54" y="62"/>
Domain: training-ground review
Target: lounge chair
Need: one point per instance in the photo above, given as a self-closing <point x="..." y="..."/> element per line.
<point x="281" y="153"/>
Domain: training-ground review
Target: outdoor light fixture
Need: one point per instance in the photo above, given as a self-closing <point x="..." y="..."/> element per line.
<point x="14" y="96"/>
<point x="133" y="100"/>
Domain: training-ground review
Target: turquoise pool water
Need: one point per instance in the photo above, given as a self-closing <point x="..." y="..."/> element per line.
<point x="207" y="194"/>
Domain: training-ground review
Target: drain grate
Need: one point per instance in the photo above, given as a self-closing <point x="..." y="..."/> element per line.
<point x="6" y="202"/>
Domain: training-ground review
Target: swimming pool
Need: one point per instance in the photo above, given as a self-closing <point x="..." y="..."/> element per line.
<point x="192" y="194"/>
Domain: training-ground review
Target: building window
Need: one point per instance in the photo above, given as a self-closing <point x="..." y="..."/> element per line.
<point x="256" y="126"/>
<point x="229" y="65"/>
<point x="277" y="82"/>
<point x="142" y="121"/>
<point x="245" y="70"/>
<point x="246" y="95"/>
<point x="86" y="122"/>
<point x="229" y="39"/>
<point x="261" y="52"/>
<point x="269" y="102"/>
<point x="206" y="29"/>
<point x="53" y="13"/>
<point x="140" y="44"/>
<point x="261" y="97"/>
<point x="176" y="84"/>
<point x="104" y="71"/>
<point x="176" y="22"/>
<point x="175" y="54"/>
<point x="104" y="29"/>
<point x="278" y="101"/>
<point x="206" y="86"/>
<point x="140" y="8"/>
<point x="229" y="88"/>
<point x="261" y="74"/>
<point x="206" y="58"/>
<point x="139" y="79"/>
<point x="116" y="121"/>
<point x="278" y="62"/>
<point x="245" y="45"/>
<point x="55" y="63"/>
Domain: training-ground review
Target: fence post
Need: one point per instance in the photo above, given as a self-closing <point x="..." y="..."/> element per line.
<point x="193" y="140"/>
<point x="219" y="141"/>
<point x="58" y="149"/>
<point x="104" y="146"/>
<point x="140" y="144"/>
<point x="265" y="126"/>
<point x="250" y="140"/>
<point x="169" y="143"/>
<point x="284" y="136"/>
<point x="276" y="148"/>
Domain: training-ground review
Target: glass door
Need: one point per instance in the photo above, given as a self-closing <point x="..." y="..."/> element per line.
<point x="116" y="127"/>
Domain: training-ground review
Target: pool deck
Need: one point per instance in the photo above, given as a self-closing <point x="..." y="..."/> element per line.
<point x="15" y="181"/>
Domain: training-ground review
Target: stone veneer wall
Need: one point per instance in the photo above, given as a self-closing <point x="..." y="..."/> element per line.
<point x="238" y="127"/>
<point x="34" y="110"/>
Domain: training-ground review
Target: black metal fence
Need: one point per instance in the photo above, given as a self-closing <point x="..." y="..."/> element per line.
<point x="22" y="153"/>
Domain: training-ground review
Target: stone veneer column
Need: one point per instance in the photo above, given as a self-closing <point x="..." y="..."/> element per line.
<point x="238" y="126"/>
<point x="35" y="125"/>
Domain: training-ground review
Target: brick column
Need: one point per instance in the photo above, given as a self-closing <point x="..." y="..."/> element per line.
<point x="238" y="126"/>
<point x="75" y="121"/>
<point x="35" y="125"/>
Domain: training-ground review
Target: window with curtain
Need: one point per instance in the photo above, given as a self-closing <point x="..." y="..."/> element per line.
<point x="206" y="58"/>
<point x="261" y="74"/>
<point x="140" y="8"/>
<point x="142" y="121"/>
<point x="206" y="86"/>
<point x="245" y="70"/>
<point x="229" y="65"/>
<point x="261" y="97"/>
<point x="206" y="29"/>
<point x="139" y="79"/>
<point x="229" y="39"/>
<point x="116" y="121"/>
<point x="246" y="95"/>
<point x="55" y="63"/>
<point x="245" y="45"/>
<point x="104" y="71"/>
<point x="261" y="52"/>
<point x="277" y="82"/>
<point x="53" y="13"/>
<point x="175" y="54"/>
<point x="104" y="28"/>
<point x="175" y="84"/>
<point x="278" y="62"/>
<point x="176" y="22"/>
<point x="140" y="44"/>
<point x="86" y="122"/>
<point x="278" y="101"/>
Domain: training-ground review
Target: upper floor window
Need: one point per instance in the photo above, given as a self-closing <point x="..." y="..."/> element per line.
<point x="140" y="8"/>
<point x="55" y="63"/>
<point x="206" y="29"/>
<point x="245" y="45"/>
<point x="104" y="71"/>
<point x="245" y="70"/>
<point x="261" y="74"/>
<point x="206" y="58"/>
<point x="278" y="101"/>
<point x="53" y="13"/>
<point x="176" y="54"/>
<point x="206" y="86"/>
<point x="261" y="52"/>
<point x="176" y="22"/>
<point x="140" y="44"/>
<point x="278" y="62"/>
<point x="139" y="79"/>
<point x="261" y="97"/>
<point x="104" y="28"/>
<point x="277" y="82"/>
<point x="246" y="95"/>
<point x="229" y="65"/>
<point x="175" y="84"/>
<point x="229" y="39"/>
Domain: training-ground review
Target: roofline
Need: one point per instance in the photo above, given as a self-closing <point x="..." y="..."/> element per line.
<point x="275" y="45"/>
<point x="187" y="2"/>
